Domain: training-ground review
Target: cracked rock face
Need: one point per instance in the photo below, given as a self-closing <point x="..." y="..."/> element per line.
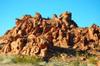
<point x="37" y="36"/>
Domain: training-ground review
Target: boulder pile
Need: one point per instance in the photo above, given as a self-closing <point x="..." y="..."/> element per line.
<point x="37" y="36"/>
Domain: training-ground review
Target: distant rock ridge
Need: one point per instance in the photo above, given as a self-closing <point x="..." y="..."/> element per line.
<point x="38" y="36"/>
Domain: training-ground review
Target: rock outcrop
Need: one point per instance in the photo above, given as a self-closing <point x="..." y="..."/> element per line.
<point x="37" y="36"/>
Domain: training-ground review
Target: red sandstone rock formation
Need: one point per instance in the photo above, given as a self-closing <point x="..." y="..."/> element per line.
<point x="37" y="36"/>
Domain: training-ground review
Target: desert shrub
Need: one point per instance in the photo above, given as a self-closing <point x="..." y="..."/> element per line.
<point x="92" y="59"/>
<point x="26" y="59"/>
<point x="19" y="59"/>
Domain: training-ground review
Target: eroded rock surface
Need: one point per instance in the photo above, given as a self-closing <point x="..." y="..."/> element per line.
<point x="38" y="36"/>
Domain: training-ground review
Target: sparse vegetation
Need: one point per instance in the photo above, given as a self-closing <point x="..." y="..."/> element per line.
<point x="17" y="60"/>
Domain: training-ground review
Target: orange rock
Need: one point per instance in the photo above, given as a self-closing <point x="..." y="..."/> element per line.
<point x="41" y="36"/>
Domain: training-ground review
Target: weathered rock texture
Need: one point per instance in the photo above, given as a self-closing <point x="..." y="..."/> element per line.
<point x="38" y="36"/>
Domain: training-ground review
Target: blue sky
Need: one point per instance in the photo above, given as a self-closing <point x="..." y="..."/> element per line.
<point x="84" y="12"/>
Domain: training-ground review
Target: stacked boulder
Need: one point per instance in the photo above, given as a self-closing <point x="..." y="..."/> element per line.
<point x="36" y="36"/>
